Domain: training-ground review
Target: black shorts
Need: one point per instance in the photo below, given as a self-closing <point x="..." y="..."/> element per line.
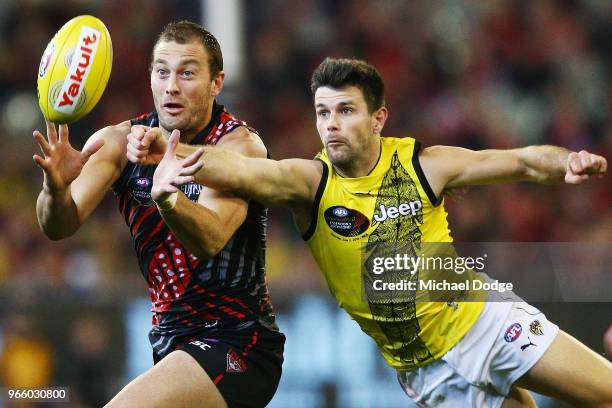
<point x="245" y="365"/>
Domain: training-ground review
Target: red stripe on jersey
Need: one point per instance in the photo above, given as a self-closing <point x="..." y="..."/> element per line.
<point x="217" y="379"/>
<point x="142" y="117"/>
<point x="153" y="232"/>
<point x="122" y="202"/>
<point x="189" y="309"/>
<point x="130" y="217"/>
<point x="232" y="312"/>
<point x="187" y="322"/>
<point x="142" y="217"/>
<point x="235" y="300"/>
<point x="249" y="346"/>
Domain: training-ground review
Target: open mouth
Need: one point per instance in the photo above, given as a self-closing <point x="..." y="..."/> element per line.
<point x="173" y="108"/>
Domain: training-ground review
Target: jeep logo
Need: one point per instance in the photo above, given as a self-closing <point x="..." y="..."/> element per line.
<point x="411" y="208"/>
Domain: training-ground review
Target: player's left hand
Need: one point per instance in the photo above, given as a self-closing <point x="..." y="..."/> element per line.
<point x="583" y="165"/>
<point x="172" y="172"/>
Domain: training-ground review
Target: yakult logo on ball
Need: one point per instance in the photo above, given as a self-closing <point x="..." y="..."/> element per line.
<point x="79" y="69"/>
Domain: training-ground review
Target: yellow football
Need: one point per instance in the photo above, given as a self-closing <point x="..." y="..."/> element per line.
<point x="74" y="69"/>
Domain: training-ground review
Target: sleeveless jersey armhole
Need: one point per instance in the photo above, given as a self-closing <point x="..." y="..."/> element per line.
<point x="435" y="201"/>
<point x="317" y="201"/>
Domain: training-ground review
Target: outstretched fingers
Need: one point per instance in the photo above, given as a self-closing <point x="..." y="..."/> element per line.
<point x="178" y="181"/>
<point x="173" y="142"/>
<point x="63" y="133"/>
<point x="193" y="158"/>
<point x="41" y="162"/>
<point x="191" y="170"/>
<point x="190" y="166"/>
<point x="51" y="132"/>
<point x="45" y="148"/>
<point x="168" y="188"/>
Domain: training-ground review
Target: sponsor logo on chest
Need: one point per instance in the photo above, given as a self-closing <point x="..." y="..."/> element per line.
<point x="192" y="190"/>
<point x="411" y="209"/>
<point x="140" y="189"/>
<point x="346" y="221"/>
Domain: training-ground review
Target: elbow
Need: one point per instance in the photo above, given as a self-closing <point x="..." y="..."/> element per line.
<point x="55" y="234"/>
<point x="54" y="237"/>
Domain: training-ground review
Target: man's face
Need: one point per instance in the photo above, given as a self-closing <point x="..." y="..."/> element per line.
<point x="182" y="87"/>
<point x="344" y="124"/>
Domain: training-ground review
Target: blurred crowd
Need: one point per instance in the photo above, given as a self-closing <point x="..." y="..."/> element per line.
<point x="476" y="74"/>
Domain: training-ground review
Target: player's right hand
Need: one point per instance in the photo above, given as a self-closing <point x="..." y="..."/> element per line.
<point x="146" y="145"/>
<point x="172" y="172"/>
<point x="60" y="162"/>
<point x="583" y="165"/>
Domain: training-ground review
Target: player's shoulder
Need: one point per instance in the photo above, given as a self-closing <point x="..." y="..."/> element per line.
<point x="245" y="142"/>
<point x="310" y="173"/>
<point x="438" y="155"/>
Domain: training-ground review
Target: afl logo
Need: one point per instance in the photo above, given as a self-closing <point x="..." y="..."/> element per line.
<point x="142" y="182"/>
<point x="340" y="212"/>
<point x="345" y="221"/>
<point x="513" y="332"/>
<point x="140" y="189"/>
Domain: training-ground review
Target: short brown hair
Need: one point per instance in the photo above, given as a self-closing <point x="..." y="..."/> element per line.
<point x="341" y="72"/>
<point x="185" y="31"/>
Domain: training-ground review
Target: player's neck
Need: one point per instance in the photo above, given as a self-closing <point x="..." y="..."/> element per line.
<point x="364" y="163"/>
<point x="187" y="135"/>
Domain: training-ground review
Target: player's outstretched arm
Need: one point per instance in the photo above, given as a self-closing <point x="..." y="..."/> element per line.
<point x="203" y="227"/>
<point x="291" y="183"/>
<point x="451" y="167"/>
<point x="206" y="226"/>
<point x="75" y="181"/>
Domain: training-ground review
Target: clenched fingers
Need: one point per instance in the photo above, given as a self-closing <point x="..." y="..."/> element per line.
<point x="135" y="155"/>
<point x="150" y="136"/>
<point x="580" y="166"/>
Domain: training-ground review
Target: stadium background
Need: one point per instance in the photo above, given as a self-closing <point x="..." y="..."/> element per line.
<point x="470" y="73"/>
